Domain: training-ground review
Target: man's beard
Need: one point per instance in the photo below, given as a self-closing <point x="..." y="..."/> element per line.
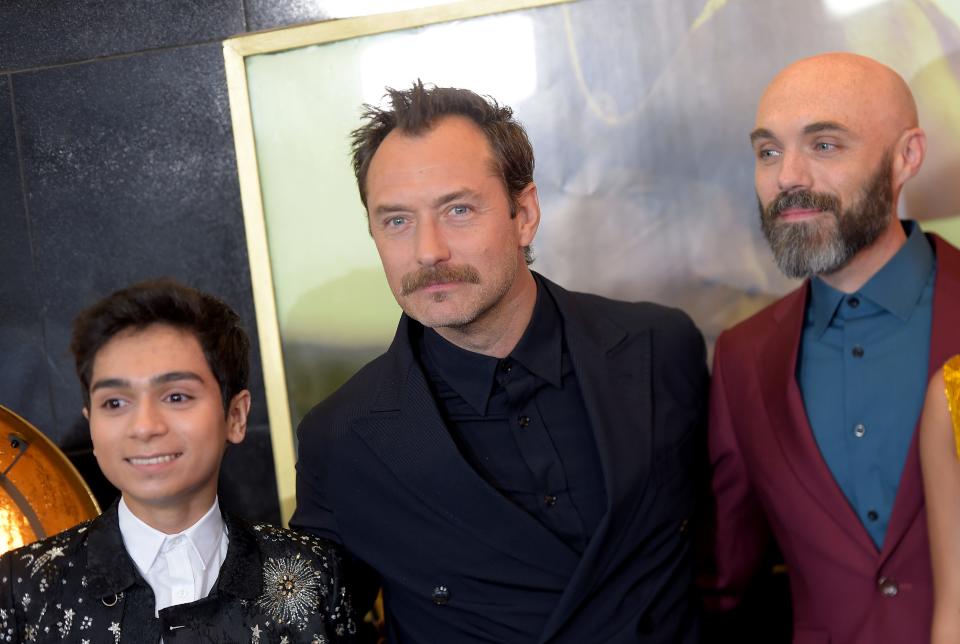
<point x="819" y="246"/>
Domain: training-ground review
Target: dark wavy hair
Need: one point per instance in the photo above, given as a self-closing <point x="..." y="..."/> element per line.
<point x="416" y="110"/>
<point x="216" y="326"/>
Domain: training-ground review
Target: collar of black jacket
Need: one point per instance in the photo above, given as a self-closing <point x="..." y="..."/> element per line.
<point x="112" y="571"/>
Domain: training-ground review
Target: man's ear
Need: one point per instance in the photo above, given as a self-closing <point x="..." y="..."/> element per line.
<point x="237" y="417"/>
<point x="86" y="413"/>
<point x="528" y="213"/>
<point x="911" y="148"/>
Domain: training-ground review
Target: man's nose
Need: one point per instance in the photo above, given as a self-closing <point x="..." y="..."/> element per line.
<point x="148" y="421"/>
<point x="794" y="173"/>
<point x="432" y="247"/>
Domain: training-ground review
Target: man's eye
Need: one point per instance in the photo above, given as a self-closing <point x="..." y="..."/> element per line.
<point x="823" y="146"/>
<point x="767" y="154"/>
<point x="394" y="222"/>
<point x="459" y="210"/>
<point x="178" y="398"/>
<point x="113" y="403"/>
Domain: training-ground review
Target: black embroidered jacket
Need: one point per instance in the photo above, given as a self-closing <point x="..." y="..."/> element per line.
<point x="275" y="586"/>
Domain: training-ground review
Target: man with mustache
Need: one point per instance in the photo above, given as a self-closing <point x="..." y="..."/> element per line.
<point x="522" y="464"/>
<point x="815" y="399"/>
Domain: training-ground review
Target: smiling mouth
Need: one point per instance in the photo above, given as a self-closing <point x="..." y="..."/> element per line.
<point x="154" y="460"/>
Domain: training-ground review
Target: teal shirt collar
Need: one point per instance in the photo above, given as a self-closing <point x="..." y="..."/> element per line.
<point x="896" y="287"/>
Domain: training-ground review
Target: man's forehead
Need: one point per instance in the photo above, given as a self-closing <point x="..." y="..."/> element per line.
<point x="855" y="91"/>
<point x="453" y="149"/>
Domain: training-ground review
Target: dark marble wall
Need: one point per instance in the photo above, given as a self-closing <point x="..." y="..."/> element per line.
<point x="116" y="165"/>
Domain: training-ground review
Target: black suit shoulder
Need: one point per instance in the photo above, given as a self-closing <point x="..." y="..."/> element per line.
<point x="677" y="342"/>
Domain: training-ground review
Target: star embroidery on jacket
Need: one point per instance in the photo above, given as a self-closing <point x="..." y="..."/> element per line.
<point x="115" y="629"/>
<point x="256" y="633"/>
<point x="291" y="590"/>
<point x="48" y="556"/>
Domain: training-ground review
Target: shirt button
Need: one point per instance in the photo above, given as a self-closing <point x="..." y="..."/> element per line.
<point x="441" y="595"/>
<point x="857" y="351"/>
<point x="859" y="430"/>
<point x="888" y="587"/>
<point x="549" y="500"/>
<point x="853" y="302"/>
<point x="872" y="515"/>
<point x="506" y="366"/>
<point x="523" y="421"/>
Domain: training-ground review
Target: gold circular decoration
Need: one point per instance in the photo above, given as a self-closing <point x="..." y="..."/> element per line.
<point x="41" y="492"/>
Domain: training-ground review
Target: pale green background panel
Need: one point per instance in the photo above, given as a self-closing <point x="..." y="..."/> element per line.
<point x="328" y="282"/>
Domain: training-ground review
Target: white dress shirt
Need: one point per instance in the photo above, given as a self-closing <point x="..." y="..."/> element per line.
<point x="180" y="568"/>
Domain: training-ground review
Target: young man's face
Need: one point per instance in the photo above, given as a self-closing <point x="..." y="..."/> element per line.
<point x="440" y="217"/>
<point x="158" y="424"/>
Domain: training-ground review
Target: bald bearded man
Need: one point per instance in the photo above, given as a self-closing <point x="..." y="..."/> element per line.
<point x="815" y="399"/>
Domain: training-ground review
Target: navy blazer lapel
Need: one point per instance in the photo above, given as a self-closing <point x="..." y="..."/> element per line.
<point x="407" y="433"/>
<point x="781" y="397"/>
<point x="613" y="370"/>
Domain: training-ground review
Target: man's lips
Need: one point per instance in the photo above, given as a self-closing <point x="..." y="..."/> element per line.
<point x="157" y="459"/>
<point x="439" y="286"/>
<point x="793" y="214"/>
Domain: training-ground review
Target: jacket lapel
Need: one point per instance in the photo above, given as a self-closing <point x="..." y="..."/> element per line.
<point x="241" y="574"/>
<point x="944" y="343"/>
<point x="614" y="374"/>
<point x="407" y="433"/>
<point x="781" y="397"/>
<point x="111" y="571"/>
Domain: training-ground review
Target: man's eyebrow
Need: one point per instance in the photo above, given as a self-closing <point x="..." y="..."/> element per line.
<point x="110" y="383"/>
<point x="761" y="133"/>
<point x="174" y="376"/>
<point x="453" y="196"/>
<point x="824" y="126"/>
<point x="163" y="378"/>
<point x="388" y="208"/>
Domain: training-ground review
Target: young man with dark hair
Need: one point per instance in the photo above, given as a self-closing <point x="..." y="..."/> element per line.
<point x="530" y="454"/>
<point x="164" y="373"/>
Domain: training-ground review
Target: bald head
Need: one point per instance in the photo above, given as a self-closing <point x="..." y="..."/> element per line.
<point x="836" y="138"/>
<point x="852" y="90"/>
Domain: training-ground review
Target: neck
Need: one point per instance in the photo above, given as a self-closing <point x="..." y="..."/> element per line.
<point x="498" y="330"/>
<point x="171" y="519"/>
<point x="868" y="261"/>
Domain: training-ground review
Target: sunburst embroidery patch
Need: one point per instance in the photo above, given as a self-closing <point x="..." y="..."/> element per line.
<point x="291" y="590"/>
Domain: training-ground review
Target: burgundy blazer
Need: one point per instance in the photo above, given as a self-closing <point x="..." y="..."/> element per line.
<point x="769" y="479"/>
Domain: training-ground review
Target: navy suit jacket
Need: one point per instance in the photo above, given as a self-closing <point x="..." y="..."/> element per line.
<point x="379" y="473"/>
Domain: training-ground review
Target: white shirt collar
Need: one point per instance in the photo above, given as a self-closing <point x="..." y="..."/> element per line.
<point x="143" y="543"/>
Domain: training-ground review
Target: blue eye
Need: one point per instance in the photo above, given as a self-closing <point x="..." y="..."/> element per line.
<point x="823" y="146"/>
<point x="459" y="210"/>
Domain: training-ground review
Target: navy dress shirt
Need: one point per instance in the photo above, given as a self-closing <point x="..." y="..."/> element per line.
<point x="862" y="371"/>
<point x="522" y="425"/>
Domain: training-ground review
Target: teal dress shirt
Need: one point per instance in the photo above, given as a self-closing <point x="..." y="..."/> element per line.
<point x="862" y="370"/>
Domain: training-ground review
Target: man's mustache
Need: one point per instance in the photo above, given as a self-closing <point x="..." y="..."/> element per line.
<point x="442" y="274"/>
<point x="802" y="199"/>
